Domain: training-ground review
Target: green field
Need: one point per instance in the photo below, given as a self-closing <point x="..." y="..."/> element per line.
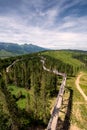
<point x="83" y="82"/>
<point x="79" y="105"/>
<point x="65" y="56"/>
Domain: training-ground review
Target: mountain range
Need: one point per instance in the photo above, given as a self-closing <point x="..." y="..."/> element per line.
<point x="11" y="49"/>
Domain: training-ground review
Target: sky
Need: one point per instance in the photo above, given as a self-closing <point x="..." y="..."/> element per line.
<point x="56" y="24"/>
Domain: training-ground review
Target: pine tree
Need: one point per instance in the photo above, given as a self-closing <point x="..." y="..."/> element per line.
<point x="11" y="106"/>
<point x="44" y="101"/>
<point x="4" y="120"/>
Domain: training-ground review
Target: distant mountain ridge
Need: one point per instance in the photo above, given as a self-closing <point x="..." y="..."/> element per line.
<point x="20" y="49"/>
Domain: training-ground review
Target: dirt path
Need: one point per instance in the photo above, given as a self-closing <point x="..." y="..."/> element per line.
<point x="79" y="88"/>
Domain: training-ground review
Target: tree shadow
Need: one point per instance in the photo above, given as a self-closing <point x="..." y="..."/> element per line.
<point x="65" y="125"/>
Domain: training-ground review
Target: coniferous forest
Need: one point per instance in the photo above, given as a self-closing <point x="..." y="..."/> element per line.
<point x="27" y="90"/>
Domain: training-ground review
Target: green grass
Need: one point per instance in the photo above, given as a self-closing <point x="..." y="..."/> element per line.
<point x="65" y="56"/>
<point x="83" y="82"/>
<point x="15" y="91"/>
<point x="22" y="103"/>
<point x="79" y="116"/>
<point x="76" y="94"/>
<point x="79" y="106"/>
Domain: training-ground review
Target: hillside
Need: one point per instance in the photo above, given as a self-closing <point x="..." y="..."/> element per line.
<point x="28" y="92"/>
<point x="11" y="49"/>
<point x="65" y="56"/>
<point x="4" y="54"/>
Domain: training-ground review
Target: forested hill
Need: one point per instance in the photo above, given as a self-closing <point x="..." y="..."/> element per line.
<point x="27" y="91"/>
<point x="9" y="49"/>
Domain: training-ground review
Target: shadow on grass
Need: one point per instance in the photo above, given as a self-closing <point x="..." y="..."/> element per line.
<point x="65" y="125"/>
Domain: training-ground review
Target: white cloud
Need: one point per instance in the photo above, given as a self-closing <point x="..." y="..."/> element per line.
<point x="41" y="28"/>
<point x="73" y="24"/>
<point x="17" y="32"/>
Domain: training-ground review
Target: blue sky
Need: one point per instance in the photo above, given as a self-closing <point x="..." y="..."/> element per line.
<point x="57" y="24"/>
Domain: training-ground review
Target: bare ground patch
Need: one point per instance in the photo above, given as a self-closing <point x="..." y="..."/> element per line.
<point x="74" y="127"/>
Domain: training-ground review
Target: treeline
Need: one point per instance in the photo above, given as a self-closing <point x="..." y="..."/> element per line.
<point x="69" y="69"/>
<point x="7" y="61"/>
<point x="82" y="57"/>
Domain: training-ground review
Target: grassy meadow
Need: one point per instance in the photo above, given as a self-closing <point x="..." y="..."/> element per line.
<point x="65" y="56"/>
<point x="83" y="82"/>
<point x="79" y="106"/>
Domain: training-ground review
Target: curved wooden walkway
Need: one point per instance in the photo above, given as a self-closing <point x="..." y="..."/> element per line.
<point x="7" y="69"/>
<point x="52" y="125"/>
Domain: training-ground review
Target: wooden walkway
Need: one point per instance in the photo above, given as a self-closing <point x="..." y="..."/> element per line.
<point x="52" y="125"/>
<point x="7" y="69"/>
